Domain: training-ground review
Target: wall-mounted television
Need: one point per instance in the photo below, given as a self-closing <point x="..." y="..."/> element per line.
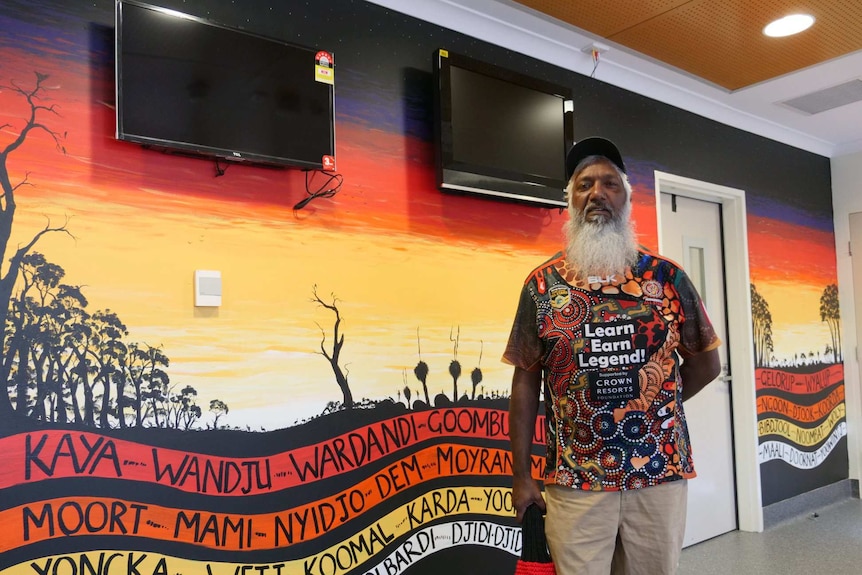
<point x="500" y="133"/>
<point x="186" y="84"/>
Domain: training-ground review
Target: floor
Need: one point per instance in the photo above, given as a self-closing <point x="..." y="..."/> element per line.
<point x="827" y="541"/>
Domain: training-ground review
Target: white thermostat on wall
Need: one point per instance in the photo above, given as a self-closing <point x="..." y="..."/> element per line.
<point x="207" y="288"/>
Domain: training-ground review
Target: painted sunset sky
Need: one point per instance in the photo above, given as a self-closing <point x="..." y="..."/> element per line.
<point x="411" y="267"/>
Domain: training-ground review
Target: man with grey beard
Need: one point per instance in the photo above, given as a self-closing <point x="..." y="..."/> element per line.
<point x="618" y="339"/>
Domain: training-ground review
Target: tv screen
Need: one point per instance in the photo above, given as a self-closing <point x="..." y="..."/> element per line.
<point x="500" y="133"/>
<point x="186" y="84"/>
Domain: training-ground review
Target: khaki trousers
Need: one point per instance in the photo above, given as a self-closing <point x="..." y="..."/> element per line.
<point x="634" y="532"/>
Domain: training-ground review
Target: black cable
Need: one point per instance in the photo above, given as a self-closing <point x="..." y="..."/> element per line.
<point x="324" y="191"/>
<point x="219" y="170"/>
<point x="596" y="64"/>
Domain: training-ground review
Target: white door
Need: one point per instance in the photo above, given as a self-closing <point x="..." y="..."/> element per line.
<point x="691" y="236"/>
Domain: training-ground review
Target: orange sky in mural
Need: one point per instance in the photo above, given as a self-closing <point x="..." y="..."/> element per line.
<point x="386" y="193"/>
<point x="808" y="255"/>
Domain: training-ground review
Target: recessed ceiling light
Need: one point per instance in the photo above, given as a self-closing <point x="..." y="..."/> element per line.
<point x="789" y="25"/>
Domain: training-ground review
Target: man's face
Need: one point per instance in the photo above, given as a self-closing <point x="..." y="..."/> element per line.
<point x="598" y="193"/>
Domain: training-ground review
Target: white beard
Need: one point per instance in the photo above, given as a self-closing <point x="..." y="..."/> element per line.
<point x="600" y="248"/>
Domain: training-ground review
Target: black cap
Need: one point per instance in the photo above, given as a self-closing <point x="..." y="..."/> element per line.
<point x="594" y="146"/>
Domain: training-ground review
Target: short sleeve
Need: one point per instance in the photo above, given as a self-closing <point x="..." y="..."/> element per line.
<point x="697" y="334"/>
<point x="524" y="348"/>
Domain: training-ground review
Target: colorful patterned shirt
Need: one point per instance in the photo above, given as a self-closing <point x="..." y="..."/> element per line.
<point x="610" y="349"/>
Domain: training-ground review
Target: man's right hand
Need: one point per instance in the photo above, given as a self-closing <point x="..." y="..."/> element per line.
<point x="524" y="493"/>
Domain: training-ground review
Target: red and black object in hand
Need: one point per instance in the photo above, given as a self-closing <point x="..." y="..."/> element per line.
<point x="535" y="558"/>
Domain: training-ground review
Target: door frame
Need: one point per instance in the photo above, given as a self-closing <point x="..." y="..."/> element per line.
<point x="850" y="337"/>
<point x="749" y="503"/>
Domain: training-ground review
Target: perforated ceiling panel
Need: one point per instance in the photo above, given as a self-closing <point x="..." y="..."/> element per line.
<point x="718" y="41"/>
<point x="604" y="17"/>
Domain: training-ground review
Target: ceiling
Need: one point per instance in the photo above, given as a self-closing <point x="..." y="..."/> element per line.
<point x="718" y="41"/>
<point x="705" y="56"/>
<point x="720" y="44"/>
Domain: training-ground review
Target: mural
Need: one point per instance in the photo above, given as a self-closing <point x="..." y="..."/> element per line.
<point x="799" y="373"/>
<point x="344" y="411"/>
<point x="341" y="413"/>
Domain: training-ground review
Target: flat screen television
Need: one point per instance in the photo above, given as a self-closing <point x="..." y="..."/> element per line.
<point x="500" y="133"/>
<point x="185" y="84"/>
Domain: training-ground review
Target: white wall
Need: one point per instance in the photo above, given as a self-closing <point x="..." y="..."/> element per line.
<point x="847" y="199"/>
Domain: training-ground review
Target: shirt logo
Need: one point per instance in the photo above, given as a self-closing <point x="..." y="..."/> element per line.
<point x="652" y="291"/>
<point x="612" y="360"/>
<point x="559" y="297"/>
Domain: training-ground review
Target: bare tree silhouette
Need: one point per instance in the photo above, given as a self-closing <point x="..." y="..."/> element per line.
<point x="831" y="314"/>
<point x="455" y="365"/>
<point x="8" y="205"/>
<point x="337" y="344"/>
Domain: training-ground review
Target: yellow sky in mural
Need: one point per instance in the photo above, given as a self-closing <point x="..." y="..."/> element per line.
<point x="805" y="332"/>
<point x="265" y="336"/>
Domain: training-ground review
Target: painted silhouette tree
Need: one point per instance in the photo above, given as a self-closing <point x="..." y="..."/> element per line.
<point x="35" y="110"/>
<point x="23" y="331"/>
<point x="106" y="353"/>
<point x="421" y="370"/>
<point x="761" y="319"/>
<point x="476" y="374"/>
<point x="407" y="392"/>
<point x="67" y="365"/>
<point x="64" y="319"/>
<point x="334" y="355"/>
<point x="152" y="391"/>
<point x="831" y="314"/>
<point x="41" y="315"/>
<point x="184" y="410"/>
<point x="94" y="366"/>
<point x="455" y="365"/>
<point x="219" y="409"/>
